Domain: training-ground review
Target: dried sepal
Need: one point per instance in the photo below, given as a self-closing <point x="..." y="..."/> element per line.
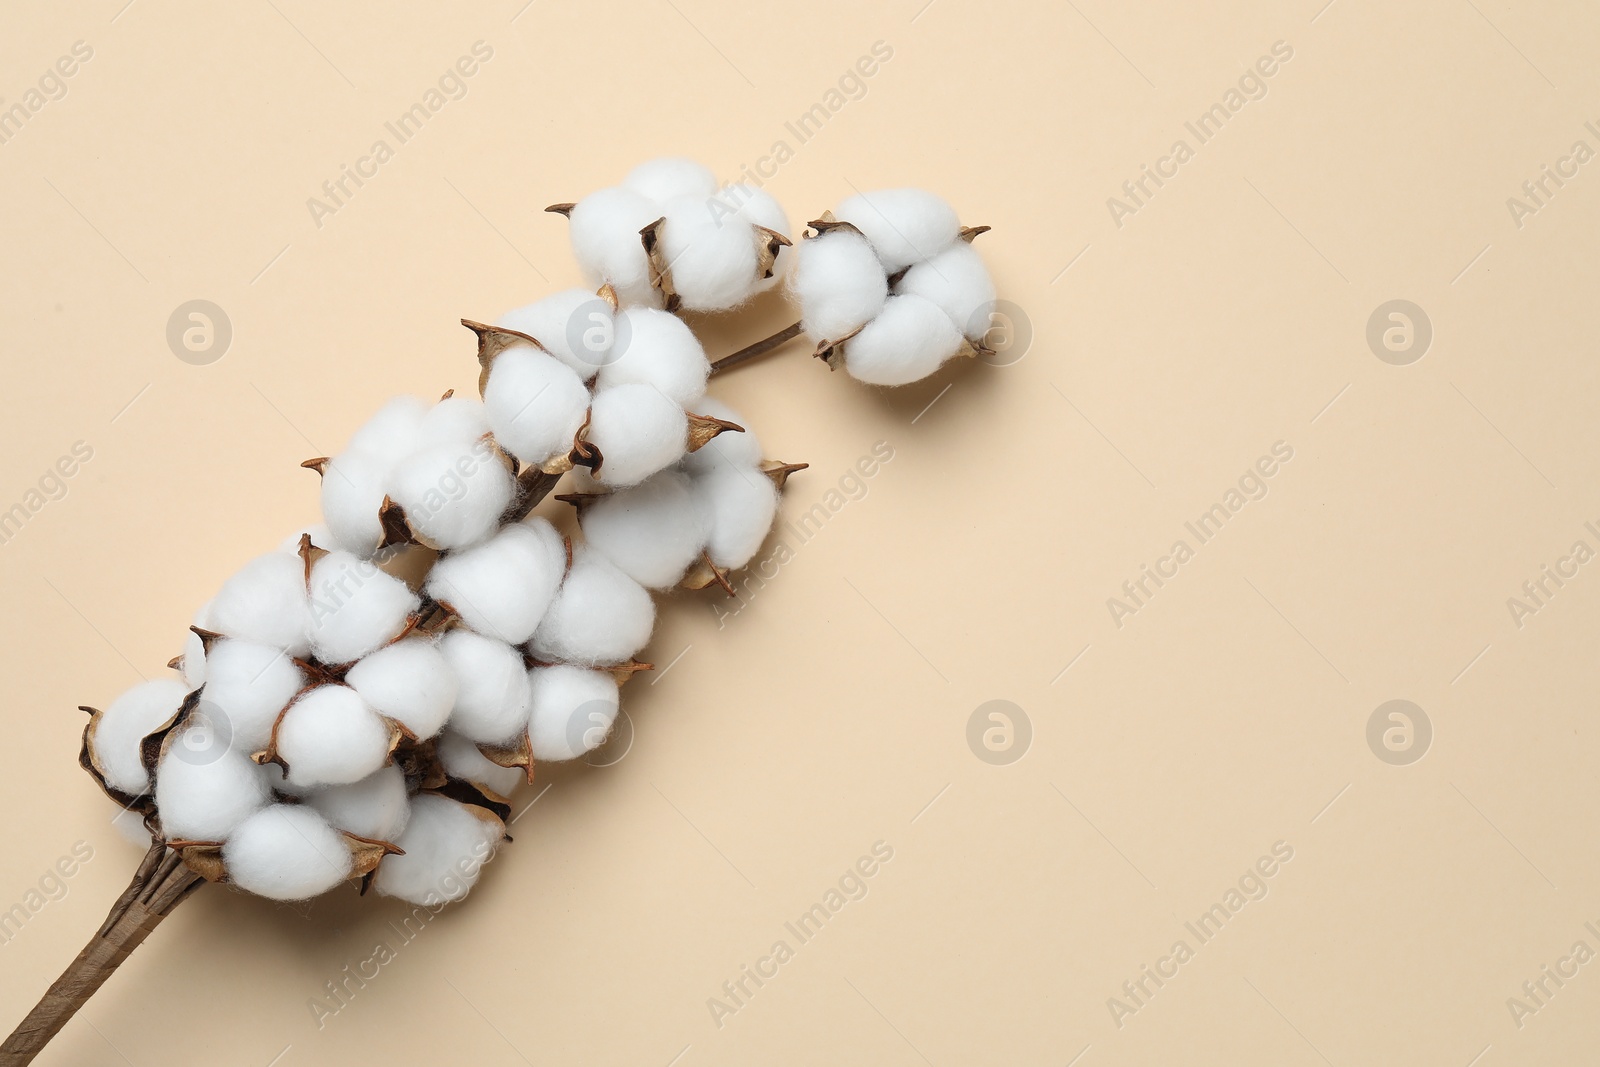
<point x="660" y="268"/>
<point x="832" y="352"/>
<point x="175" y="663"/>
<point x="703" y="428"/>
<point x="532" y="485"/>
<point x="518" y="753"/>
<point x="779" y="471"/>
<point x="703" y="573"/>
<point x="493" y="340"/>
<point x="608" y="293"/>
<point x="203" y="858"/>
<point x="479" y="801"/>
<point x="564" y="210"/>
<point x="419" y="762"/>
<point x="396" y="527"/>
<point x="319" y="464"/>
<point x="768" y="244"/>
<point x="207" y="637"/>
<point x="366" y="853"/>
<point x="969" y="232"/>
<point x="580" y="501"/>
<point x="87" y="759"/>
<point x="624" y="671"/>
<point x="309" y="554"/>
<point x="155" y="744"/>
<point x="827" y="224"/>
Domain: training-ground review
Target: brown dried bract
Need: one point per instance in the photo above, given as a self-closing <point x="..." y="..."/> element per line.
<point x="703" y="428"/>
<point x="519" y="753"/>
<point x="768" y="244"/>
<point x="564" y="210"/>
<point x="703" y="573"/>
<point x="493" y="340"/>
<point x="660" y="269"/>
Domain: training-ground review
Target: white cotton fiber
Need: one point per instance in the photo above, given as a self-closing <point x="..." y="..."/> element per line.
<point x="605" y="229"/>
<point x="574" y="325"/>
<point x="453" y="493"/>
<point x="638" y="431"/>
<point x="286" y="852"/>
<point x="573" y="709"/>
<point x="600" y="616"/>
<point x="656" y="348"/>
<point x="652" y="531"/>
<point x="670" y="176"/>
<point x="840" y="284"/>
<point x="741" y="503"/>
<point x="908" y="341"/>
<point x="204" y="798"/>
<point x="247" y="685"/>
<point x="446" y="846"/>
<point x="760" y="208"/>
<point x="330" y="736"/>
<point x="502" y="587"/>
<point x="711" y="250"/>
<point x="265" y="602"/>
<point x="905" y="226"/>
<point x="536" y="404"/>
<point x="454" y="420"/>
<point x="354" y="484"/>
<point x="122" y="726"/>
<point x="192" y="664"/>
<point x="392" y="432"/>
<point x="375" y="807"/>
<point x="491" y="687"/>
<point x="957" y="280"/>
<point x="410" y="682"/>
<point x="462" y="759"/>
<point x="355" y="607"/>
<point x="725" y="449"/>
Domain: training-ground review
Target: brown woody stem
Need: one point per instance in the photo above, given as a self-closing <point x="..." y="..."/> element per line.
<point x="160" y="883"/>
<point x="760" y="348"/>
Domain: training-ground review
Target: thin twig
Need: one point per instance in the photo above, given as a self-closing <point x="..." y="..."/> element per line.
<point x="760" y="348"/>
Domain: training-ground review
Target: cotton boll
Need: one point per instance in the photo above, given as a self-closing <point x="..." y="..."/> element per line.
<point x="502" y="587"/>
<point x="741" y="503"/>
<point x="651" y="532"/>
<point x="905" y="226"/>
<point x="575" y="326"/>
<point x="600" y="616"/>
<point x="120" y="728"/>
<point x="354" y="484"/>
<point x="355" y="607"/>
<point x="760" y="208"/>
<point x="725" y="449"/>
<point x="605" y="229"/>
<point x="375" y="807"/>
<point x="410" y="682"/>
<point x="668" y="177"/>
<point x="463" y="759"/>
<point x="840" y="284"/>
<point x="445" y="845"/>
<point x="660" y="351"/>
<point x="247" y="686"/>
<point x="573" y="709"/>
<point x="638" y="431"/>
<point x="330" y="736"/>
<point x="957" y="280"/>
<point x="265" y="602"/>
<point x="203" y="799"/>
<point x="491" y="687"/>
<point x="908" y="341"/>
<point x="286" y="852"/>
<point x="453" y="420"/>
<point x="392" y="432"/>
<point x="453" y="493"/>
<point x="712" y="252"/>
<point x="536" y="404"/>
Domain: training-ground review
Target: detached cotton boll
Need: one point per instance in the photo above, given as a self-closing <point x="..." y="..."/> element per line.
<point x="355" y="607"/>
<point x="118" y="731"/>
<point x="759" y="208"/>
<point x="660" y="351"/>
<point x="712" y="250"/>
<point x="247" y="685"/>
<point x="502" y="587"/>
<point x="573" y="709"/>
<point x="840" y="284"/>
<point x="725" y="449"/>
<point x="453" y="493"/>
<point x="462" y="759"/>
<point x="354" y="484"/>
<point x="446" y="845"/>
<point x="330" y="736"/>
<point x="265" y="602"/>
<point x="600" y="616"/>
<point x="453" y="420"/>
<point x="375" y="807"/>
<point x="905" y="226"/>
<point x="741" y="503"/>
<point x="392" y="432"/>
<point x="410" y="682"/>
<point x="651" y="532"/>
<point x="286" y="852"/>
<point x="202" y="792"/>
<point x="670" y="176"/>
<point x="638" y="431"/>
<point x="491" y="687"/>
<point x="957" y="280"/>
<point x="574" y="325"/>
<point x="605" y="229"/>
<point x="908" y="341"/>
<point x="536" y="404"/>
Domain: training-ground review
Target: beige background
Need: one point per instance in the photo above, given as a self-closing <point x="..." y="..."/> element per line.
<point x="1229" y="713"/>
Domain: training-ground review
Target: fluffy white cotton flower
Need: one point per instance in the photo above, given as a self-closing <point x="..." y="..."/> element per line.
<point x="638" y="431"/>
<point x="605" y="236"/>
<point x="575" y="326"/>
<point x="726" y="449"/>
<point x="711" y="250"/>
<point x="330" y="736"/>
<point x="600" y="616"/>
<point x="461" y="758"/>
<point x="905" y="226"/>
<point x="502" y="587"/>
<point x="657" y="349"/>
<point x="573" y="710"/>
<point x="651" y="531"/>
<point x="286" y="852"/>
<point x="446" y="845"/>
<point x="355" y="607"/>
<point x="453" y="420"/>
<point x="663" y="179"/>
<point x="740" y="504"/>
<point x="392" y="432"/>
<point x="247" y="686"/>
<point x="453" y="492"/>
<point x="492" y="687"/>
<point x="118" y="731"/>
<point x="410" y="682"/>
<point x="840" y="284"/>
<point x="957" y="280"/>
<point x="536" y="404"/>
<point x="354" y="484"/>
<point x="376" y="807"/>
<point x="265" y="602"/>
<point x="908" y="341"/>
<point x="203" y="792"/>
